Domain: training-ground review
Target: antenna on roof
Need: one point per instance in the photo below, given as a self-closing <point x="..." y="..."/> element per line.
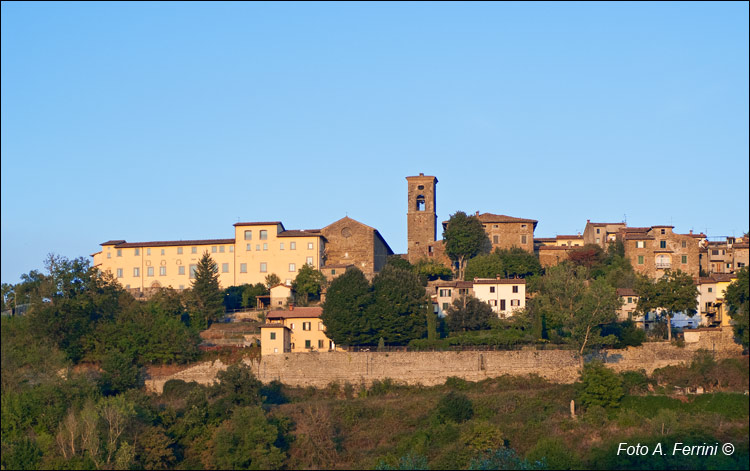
<point x="625" y="219"/>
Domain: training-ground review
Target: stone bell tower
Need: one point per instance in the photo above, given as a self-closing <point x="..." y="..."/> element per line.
<point x="421" y="218"/>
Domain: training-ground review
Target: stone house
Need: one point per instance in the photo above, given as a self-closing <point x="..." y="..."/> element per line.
<point x="725" y="256"/>
<point x="349" y="242"/>
<point x="652" y="250"/>
<point x="601" y="233"/>
<point x="506" y="232"/>
<point x="553" y="250"/>
<point x="443" y="293"/>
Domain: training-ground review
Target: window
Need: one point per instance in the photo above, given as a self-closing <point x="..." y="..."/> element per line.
<point x="119" y="273"/>
<point x="597" y="230"/>
<point x="136" y="272"/>
<point x="292" y="267"/>
<point x="249" y="247"/>
<point x="684" y="259"/>
<point x="320" y="344"/>
<point x="257" y="247"/>
<point x="248" y="235"/>
<point x="213" y="249"/>
<point x="109" y="254"/>
<point x="710" y="290"/>
<point x="684" y="244"/>
<point x="523" y="239"/>
<point x="137" y="251"/>
<point x="148" y="251"/>
<point x="243" y="267"/>
<point x="495" y="239"/>
<point x="492" y="289"/>
<point x="263" y="267"/>
<point x="265" y="246"/>
<point x="310" y="246"/>
<point x="179" y="250"/>
<point x="640" y="244"/>
<point x="630" y="300"/>
<point x="714" y="252"/>
<point x="119" y="252"/>
<point x="502" y="304"/>
<point x="221" y="249"/>
<point x="306" y="325"/>
<point x="194" y="250"/>
<point x="181" y="270"/>
<point x="162" y="271"/>
<point x="231" y="248"/>
<point x="598" y="240"/>
<point x="492" y="302"/>
<point x="515" y="302"/>
<point x="150" y="271"/>
<point x="309" y="261"/>
<point x="445" y="292"/>
<point x="192" y="271"/>
<point x="308" y="344"/>
<point x="663" y="231"/>
<point x="320" y="326"/>
<point x="162" y="251"/>
<point x="225" y="268"/>
<point x="273" y="335"/>
<point x="292" y="245"/>
<point x="281" y="246"/>
<point x="445" y="306"/>
<point x="662" y="244"/>
<point x="515" y="289"/>
<point x="263" y="235"/>
<point x="729" y="265"/>
<point x="333" y="271"/>
<point x="640" y="260"/>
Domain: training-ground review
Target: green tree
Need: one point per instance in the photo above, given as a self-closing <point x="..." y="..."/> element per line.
<point x="247" y="441"/>
<point x="738" y="299"/>
<point x="400" y="308"/>
<point x="272" y="279"/>
<point x="238" y="385"/>
<point x="574" y="306"/>
<point x="250" y="294"/>
<point x="345" y="310"/>
<point x="455" y="406"/>
<point x="207" y="297"/>
<point x="469" y="313"/>
<point x="513" y="262"/>
<point x="464" y="238"/>
<point x="672" y="293"/>
<point x="308" y="283"/>
<point x="399" y="261"/>
<point x="120" y="372"/>
<point x="431" y="269"/>
<point x="599" y="386"/>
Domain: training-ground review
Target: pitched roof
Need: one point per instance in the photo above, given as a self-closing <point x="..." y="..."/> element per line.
<point x="570" y="237"/>
<point x="558" y="247"/>
<point x="300" y="233"/>
<point x="269" y="223"/>
<point x="501" y="281"/>
<point x="168" y="243"/>
<point x="305" y="312"/>
<point x="489" y="217"/>
<point x="626" y="292"/>
<point x="389" y="251"/>
<point x="274" y="325"/>
<point x="337" y="265"/>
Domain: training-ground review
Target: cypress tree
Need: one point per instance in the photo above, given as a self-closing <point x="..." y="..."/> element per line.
<point x="207" y="298"/>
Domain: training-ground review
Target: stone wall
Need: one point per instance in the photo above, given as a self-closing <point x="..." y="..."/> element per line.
<point x="319" y="369"/>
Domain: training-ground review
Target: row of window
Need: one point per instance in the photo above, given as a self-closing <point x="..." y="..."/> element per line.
<point x="515" y="289"/>
<point x="305" y="326"/>
<point x="262" y="236"/>
<point x="641" y="244"/>
<point x="224" y="269"/>
<point x="496" y="239"/>
<point x="663" y="260"/>
<point x="513" y="303"/>
<point x="214" y="249"/>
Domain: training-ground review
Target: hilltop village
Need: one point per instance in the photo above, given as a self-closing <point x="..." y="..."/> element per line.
<point x="262" y="248"/>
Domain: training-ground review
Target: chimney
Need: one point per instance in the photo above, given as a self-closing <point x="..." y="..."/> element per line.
<point x="497" y="277"/>
<point x="588" y="221"/>
<point x="691" y="231"/>
<point x="291" y="306"/>
<point x="421" y="174"/>
<point x="477" y="213"/>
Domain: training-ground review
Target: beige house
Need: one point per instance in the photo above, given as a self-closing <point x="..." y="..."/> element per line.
<point x="725" y="256"/>
<point x="304" y="329"/>
<point x="505" y="296"/>
<point x="443" y="293"/>
<point x="711" y="305"/>
<point x="280" y="295"/>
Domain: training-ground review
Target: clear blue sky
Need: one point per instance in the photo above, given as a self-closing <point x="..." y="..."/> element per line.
<point x="162" y="121"/>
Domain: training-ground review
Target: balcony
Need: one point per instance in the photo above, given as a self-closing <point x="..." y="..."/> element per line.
<point x="663" y="265"/>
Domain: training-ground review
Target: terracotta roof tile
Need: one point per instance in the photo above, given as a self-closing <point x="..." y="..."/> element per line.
<point x="297" y="233"/>
<point x="489" y="217"/>
<point x="170" y="243"/>
<point x="501" y="281"/>
<point x="626" y="292"/>
<point x="306" y="312"/>
<point x="269" y="223"/>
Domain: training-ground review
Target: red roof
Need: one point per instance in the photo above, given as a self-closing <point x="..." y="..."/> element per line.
<point x="570" y="237"/>
<point x="489" y="217"/>
<point x="121" y="244"/>
<point x="294" y="233"/>
<point x="501" y="281"/>
<point x="307" y="312"/>
<point x="270" y="223"/>
<point x="626" y="292"/>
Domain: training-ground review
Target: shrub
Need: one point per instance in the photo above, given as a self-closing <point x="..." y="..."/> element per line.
<point x="454" y="382"/>
<point x="455" y="407"/>
<point x="635" y="382"/>
<point x="555" y="453"/>
<point x="599" y="386"/>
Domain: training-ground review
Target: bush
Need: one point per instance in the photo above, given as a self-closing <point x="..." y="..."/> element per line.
<point x="627" y="334"/>
<point x="599" y="386"/>
<point x="455" y="407"/>
<point x="635" y="382"/>
<point x="555" y="453"/>
<point x="454" y="382"/>
<point x="178" y="388"/>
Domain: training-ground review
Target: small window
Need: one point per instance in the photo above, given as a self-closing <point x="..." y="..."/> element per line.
<point x="684" y="244"/>
<point x="662" y="244"/>
<point x="515" y="289"/>
<point x="292" y="245"/>
<point x="306" y="325"/>
<point x="257" y="247"/>
<point x="333" y="271"/>
<point x="710" y="290"/>
<point x="225" y="268"/>
<point x="136" y="272"/>
<point x="320" y="326"/>
<point x="231" y="248"/>
<point x="445" y="306"/>
<point x="495" y="226"/>
<point x="663" y="231"/>
<point x="148" y="251"/>
<point x="598" y="240"/>
<point x="310" y="246"/>
<point x="523" y="226"/>
<point x="181" y="270"/>
<point x="281" y="246"/>
<point x="523" y="239"/>
<point x="137" y="251"/>
<point x="162" y="271"/>
<point x="119" y="273"/>
<point x="263" y="235"/>
<point x="308" y="343"/>
<point x="263" y="267"/>
<point x="249" y="247"/>
<point x="597" y="230"/>
<point x="119" y="252"/>
<point x="515" y="302"/>
<point x="162" y="251"/>
<point x="243" y="267"/>
<point x="213" y="249"/>
<point x="309" y="261"/>
<point x="292" y="267"/>
<point x="495" y="239"/>
<point x="639" y="244"/>
<point x="109" y="254"/>
<point x="194" y="250"/>
<point x="492" y="289"/>
<point x="150" y="271"/>
<point x="221" y="249"/>
<point x="684" y="259"/>
<point x="193" y="268"/>
<point x="630" y="300"/>
<point x="320" y="344"/>
<point x="248" y="235"/>
<point x="179" y="250"/>
<point x="640" y="260"/>
<point x="502" y="304"/>
<point x="273" y="335"/>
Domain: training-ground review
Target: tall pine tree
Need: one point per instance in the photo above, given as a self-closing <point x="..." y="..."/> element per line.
<point x="207" y="298"/>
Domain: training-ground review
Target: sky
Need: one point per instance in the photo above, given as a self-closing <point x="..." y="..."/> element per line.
<point x="166" y="121"/>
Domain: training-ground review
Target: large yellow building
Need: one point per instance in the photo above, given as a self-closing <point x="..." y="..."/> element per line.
<point x="257" y="250"/>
